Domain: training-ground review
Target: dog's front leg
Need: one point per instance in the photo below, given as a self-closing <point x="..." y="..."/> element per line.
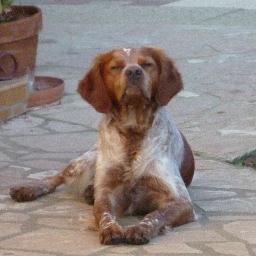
<point x="78" y="173"/>
<point x="172" y="213"/>
<point x="110" y="232"/>
<point x="108" y="191"/>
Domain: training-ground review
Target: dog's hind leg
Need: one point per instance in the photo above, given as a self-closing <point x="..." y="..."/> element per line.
<point x="78" y="174"/>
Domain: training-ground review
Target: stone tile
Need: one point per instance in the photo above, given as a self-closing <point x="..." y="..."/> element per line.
<point x="250" y="194"/>
<point x="63" y="194"/>
<point x="187" y="94"/>
<point x="10" y="178"/>
<point x="226" y="178"/>
<point x="41" y="175"/>
<point x="245" y="230"/>
<point x="116" y="254"/>
<point x="8" y="229"/>
<point x="181" y="106"/>
<point x="14" y="217"/>
<point x="4" y="164"/>
<point x="18" y="168"/>
<point x="74" y="223"/>
<point x="4" y="157"/>
<point x="67" y="208"/>
<point x="2" y="206"/>
<point x="68" y="241"/>
<point x="4" y="145"/>
<point x="71" y="84"/>
<point x="22" y="253"/>
<point x="75" y="142"/>
<point x="232" y="217"/>
<point x="224" y="116"/>
<point x="229" y="248"/>
<point x="12" y="205"/>
<point x="44" y="164"/>
<point x="3" y="197"/>
<point x="168" y="247"/>
<point x="201" y="194"/>
<point x="84" y="115"/>
<point x="23" y="125"/>
<point x="50" y="156"/>
<point x="196" y="235"/>
<point x="220" y="4"/>
<point x="64" y="127"/>
<point x="234" y="205"/>
<point x="129" y="220"/>
<point x="195" y="225"/>
<point x="122" y="249"/>
<point x="208" y="164"/>
<point x="14" y="172"/>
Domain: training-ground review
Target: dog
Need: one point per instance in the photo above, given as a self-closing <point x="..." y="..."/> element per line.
<point x="142" y="163"/>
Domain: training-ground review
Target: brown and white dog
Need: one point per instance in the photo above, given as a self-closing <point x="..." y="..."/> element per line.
<point x="142" y="163"/>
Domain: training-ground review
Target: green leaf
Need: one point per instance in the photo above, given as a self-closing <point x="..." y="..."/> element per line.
<point x="5" y="4"/>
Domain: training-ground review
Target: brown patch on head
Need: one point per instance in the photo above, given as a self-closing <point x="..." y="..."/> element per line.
<point x="92" y="87"/>
<point x="112" y="73"/>
<point x="169" y="80"/>
<point x="128" y="77"/>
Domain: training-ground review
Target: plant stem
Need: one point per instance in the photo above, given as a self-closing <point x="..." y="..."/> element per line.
<point x="1" y="7"/>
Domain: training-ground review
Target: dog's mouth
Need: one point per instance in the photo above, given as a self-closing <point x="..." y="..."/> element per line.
<point x="133" y="95"/>
<point x="133" y="91"/>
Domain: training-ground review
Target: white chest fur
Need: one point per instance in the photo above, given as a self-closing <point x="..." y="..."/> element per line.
<point x="162" y="149"/>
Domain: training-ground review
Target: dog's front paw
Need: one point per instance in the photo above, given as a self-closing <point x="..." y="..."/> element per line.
<point x="111" y="234"/>
<point x="138" y="234"/>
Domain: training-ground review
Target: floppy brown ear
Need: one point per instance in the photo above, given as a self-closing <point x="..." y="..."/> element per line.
<point x="92" y="89"/>
<point x="170" y="81"/>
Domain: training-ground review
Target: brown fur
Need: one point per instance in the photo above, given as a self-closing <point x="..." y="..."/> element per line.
<point x="188" y="164"/>
<point x="130" y="104"/>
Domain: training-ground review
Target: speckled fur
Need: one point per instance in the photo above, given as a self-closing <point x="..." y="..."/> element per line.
<point x="141" y="163"/>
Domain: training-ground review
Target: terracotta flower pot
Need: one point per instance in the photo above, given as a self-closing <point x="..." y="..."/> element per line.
<point x="18" y="42"/>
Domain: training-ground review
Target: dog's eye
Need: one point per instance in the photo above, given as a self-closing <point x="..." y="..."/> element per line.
<point x="117" y="68"/>
<point x="147" y="64"/>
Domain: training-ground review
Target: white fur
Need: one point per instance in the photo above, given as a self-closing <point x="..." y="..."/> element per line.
<point x="161" y="155"/>
<point x="164" y="149"/>
<point x="127" y="51"/>
<point x="80" y="172"/>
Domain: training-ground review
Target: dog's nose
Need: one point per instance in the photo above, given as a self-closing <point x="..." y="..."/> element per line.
<point x="133" y="73"/>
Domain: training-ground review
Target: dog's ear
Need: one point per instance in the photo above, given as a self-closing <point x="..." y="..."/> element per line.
<point x="170" y="81"/>
<point x="92" y="88"/>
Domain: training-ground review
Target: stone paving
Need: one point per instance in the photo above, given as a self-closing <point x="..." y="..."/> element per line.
<point x="214" y="47"/>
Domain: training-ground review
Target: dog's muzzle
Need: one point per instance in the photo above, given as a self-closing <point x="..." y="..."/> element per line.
<point x="134" y="74"/>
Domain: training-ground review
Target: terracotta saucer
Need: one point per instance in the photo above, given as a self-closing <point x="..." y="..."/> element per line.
<point x="45" y="90"/>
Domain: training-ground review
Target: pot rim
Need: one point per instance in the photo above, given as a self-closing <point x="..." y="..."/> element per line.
<point x="22" y="28"/>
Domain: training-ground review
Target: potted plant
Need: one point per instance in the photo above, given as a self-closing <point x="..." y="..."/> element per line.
<point x="19" y="29"/>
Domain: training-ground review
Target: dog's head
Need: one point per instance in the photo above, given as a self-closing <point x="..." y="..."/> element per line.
<point x="130" y="75"/>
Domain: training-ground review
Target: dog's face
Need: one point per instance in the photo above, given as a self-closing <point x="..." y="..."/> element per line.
<point x="130" y="76"/>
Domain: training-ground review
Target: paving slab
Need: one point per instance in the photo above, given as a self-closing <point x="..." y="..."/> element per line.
<point x="213" y="45"/>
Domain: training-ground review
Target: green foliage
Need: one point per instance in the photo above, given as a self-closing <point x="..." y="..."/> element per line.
<point x="4" y="6"/>
<point x="240" y="161"/>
